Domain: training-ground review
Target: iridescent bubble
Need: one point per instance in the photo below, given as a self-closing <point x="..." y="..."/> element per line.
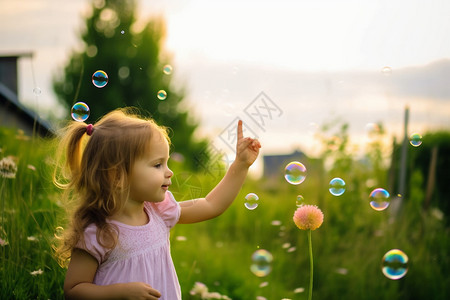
<point x="228" y="108"/>
<point x="37" y="91"/>
<point x="372" y="129"/>
<point x="162" y="95"/>
<point x="100" y="79"/>
<point x="415" y="140"/>
<point x="313" y="128"/>
<point x="251" y="201"/>
<point x="300" y="200"/>
<point x="295" y="172"/>
<point x="80" y="111"/>
<point x="261" y="262"/>
<point x="394" y="264"/>
<point x="122" y="31"/>
<point x="337" y="186"/>
<point x="379" y="199"/>
<point x="387" y="71"/>
<point x="167" y="69"/>
<point x="59" y="232"/>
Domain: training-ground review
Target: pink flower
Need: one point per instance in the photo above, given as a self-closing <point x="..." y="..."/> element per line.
<point x="3" y="243"/>
<point x="308" y="217"/>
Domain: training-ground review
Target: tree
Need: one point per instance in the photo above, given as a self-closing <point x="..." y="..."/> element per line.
<point x="134" y="64"/>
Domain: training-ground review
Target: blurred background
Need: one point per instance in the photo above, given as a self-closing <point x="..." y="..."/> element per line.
<point x="357" y="90"/>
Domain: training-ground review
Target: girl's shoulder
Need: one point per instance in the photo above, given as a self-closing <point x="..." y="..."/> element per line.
<point x="168" y="209"/>
<point x="91" y="245"/>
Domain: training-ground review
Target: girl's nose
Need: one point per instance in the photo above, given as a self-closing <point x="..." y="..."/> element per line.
<point x="169" y="173"/>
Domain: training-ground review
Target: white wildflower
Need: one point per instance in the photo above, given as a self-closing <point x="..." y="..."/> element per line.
<point x="342" y="271"/>
<point x="263" y="284"/>
<point x="292" y="249"/>
<point x="199" y="289"/>
<point x="37" y="272"/>
<point x="8" y="167"/>
<point x="213" y="295"/>
<point x="437" y="213"/>
<point x="276" y="223"/>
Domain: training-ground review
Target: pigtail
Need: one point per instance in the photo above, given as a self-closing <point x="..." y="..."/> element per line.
<point x="66" y="174"/>
<point x="69" y="155"/>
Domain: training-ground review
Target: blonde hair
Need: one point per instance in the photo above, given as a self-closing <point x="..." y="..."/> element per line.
<point x="94" y="171"/>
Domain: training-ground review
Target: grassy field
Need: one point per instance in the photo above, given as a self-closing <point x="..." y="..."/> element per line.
<point x="348" y="247"/>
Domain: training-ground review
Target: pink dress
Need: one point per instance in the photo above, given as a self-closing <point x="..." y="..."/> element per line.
<point x="142" y="252"/>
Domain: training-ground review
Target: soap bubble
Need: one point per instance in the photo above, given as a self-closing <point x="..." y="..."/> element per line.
<point x="59" y="232"/>
<point x="251" y="201"/>
<point x="313" y="128"/>
<point x="261" y="262"/>
<point x="394" y="264"/>
<point x="80" y="111"/>
<point x="337" y="186"/>
<point x="295" y="172"/>
<point x="162" y="95"/>
<point x="100" y="79"/>
<point x="387" y="71"/>
<point x="379" y="199"/>
<point x="300" y="200"/>
<point x="122" y="31"/>
<point x="415" y="140"/>
<point x="372" y="129"/>
<point x="167" y="69"/>
<point x="37" y="91"/>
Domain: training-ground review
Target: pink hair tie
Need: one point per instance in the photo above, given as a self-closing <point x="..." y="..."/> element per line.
<point x="89" y="129"/>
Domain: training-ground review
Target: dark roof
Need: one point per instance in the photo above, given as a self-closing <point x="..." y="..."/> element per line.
<point x="9" y="100"/>
<point x="17" y="54"/>
<point x="274" y="163"/>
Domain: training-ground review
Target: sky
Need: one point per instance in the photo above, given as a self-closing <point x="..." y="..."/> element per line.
<point x="314" y="62"/>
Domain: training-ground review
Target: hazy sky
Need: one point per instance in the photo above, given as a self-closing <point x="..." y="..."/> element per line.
<point x="316" y="60"/>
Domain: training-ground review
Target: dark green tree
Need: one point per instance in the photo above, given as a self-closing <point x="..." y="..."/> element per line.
<point x="134" y="62"/>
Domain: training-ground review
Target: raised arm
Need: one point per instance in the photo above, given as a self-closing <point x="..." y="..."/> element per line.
<point x="80" y="276"/>
<point x="220" y="198"/>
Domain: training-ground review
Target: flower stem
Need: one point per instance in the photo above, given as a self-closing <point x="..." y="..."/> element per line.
<point x="3" y="204"/>
<point x="311" y="271"/>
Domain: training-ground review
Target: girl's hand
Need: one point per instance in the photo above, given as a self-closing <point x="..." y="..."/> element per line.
<point x="140" y="290"/>
<point x="247" y="149"/>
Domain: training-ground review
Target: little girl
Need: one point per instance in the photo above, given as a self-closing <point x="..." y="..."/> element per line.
<point x="118" y="237"/>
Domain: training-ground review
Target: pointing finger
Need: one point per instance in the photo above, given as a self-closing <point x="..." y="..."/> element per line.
<point x="239" y="130"/>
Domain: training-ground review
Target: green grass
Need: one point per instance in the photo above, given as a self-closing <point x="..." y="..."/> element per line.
<point x="352" y="239"/>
